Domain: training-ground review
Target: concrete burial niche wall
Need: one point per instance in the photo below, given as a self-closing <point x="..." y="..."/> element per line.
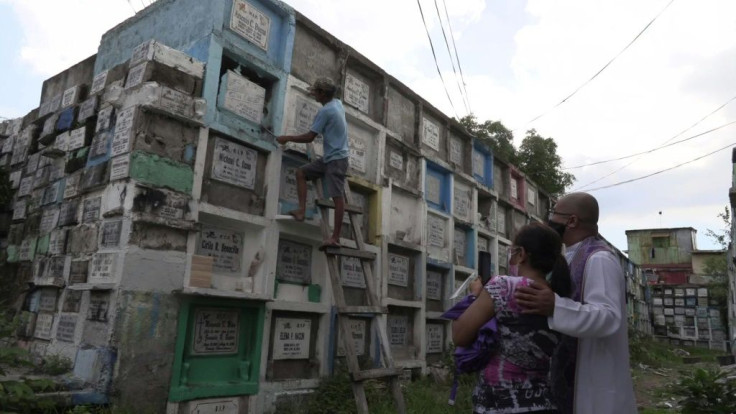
<point x="435" y="331"/>
<point x="482" y="164"/>
<point x="403" y="273"/>
<point x="234" y="175"/>
<point x="437" y="279"/>
<point x="78" y="75"/>
<point x="402" y="116"/>
<point x="315" y="53"/>
<point x="363" y="89"/>
<point x="462" y="205"/>
<point x="401" y="330"/>
<point x="433" y="133"/>
<point x="294" y="350"/>
<point x="299" y="270"/>
<point x="364" y="146"/>
<point x="401" y="163"/>
<point x="438" y="237"/>
<point x="363" y="340"/>
<point x="405" y="218"/>
<point x="463" y="246"/>
<point x="461" y="152"/>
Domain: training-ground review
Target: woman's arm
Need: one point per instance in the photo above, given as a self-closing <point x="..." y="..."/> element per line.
<point x="466" y="327"/>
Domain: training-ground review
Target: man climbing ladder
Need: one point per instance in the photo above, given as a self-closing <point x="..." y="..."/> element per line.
<point x="330" y="122"/>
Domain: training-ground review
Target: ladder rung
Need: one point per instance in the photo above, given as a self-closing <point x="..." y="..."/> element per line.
<point x="342" y="251"/>
<point x="351" y="208"/>
<point x="376" y="373"/>
<point x="362" y="309"/>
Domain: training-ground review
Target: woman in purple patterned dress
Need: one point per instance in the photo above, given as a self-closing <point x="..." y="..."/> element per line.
<point x="515" y="380"/>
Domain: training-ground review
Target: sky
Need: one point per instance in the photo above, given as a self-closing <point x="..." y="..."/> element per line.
<point x="519" y="59"/>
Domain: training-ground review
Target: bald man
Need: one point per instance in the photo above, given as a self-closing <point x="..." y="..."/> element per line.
<point x="590" y="373"/>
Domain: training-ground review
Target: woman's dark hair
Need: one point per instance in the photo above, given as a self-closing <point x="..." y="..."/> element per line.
<point x="544" y="247"/>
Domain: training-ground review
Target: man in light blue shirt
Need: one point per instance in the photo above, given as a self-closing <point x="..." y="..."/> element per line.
<point x="331" y="124"/>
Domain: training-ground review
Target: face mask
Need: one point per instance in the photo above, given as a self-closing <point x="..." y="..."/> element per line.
<point x="558" y="227"/>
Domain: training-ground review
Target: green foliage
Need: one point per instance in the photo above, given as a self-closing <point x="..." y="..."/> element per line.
<point x="537" y="156"/>
<point x="707" y="392"/>
<point x="55" y="365"/>
<point x="493" y="134"/>
<point x="722" y="236"/>
<point x="18" y="395"/>
<point x="539" y="160"/>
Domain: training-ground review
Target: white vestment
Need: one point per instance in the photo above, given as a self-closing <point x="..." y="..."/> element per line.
<point x="603" y="382"/>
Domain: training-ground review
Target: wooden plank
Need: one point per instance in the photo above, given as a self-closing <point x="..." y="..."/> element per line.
<point x="349" y="208"/>
<point x="200" y="274"/>
<point x="343" y="251"/>
<point x="377" y="373"/>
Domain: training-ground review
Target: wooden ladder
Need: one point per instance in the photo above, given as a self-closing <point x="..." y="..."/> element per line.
<point x="373" y="310"/>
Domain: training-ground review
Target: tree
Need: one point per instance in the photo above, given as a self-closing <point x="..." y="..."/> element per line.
<point x="495" y="135"/>
<point x="717" y="267"/>
<point x="539" y="160"/>
<point x="722" y="236"/>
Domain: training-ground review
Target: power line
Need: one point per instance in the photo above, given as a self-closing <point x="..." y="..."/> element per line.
<point x="457" y="56"/>
<point x="447" y="45"/>
<point x="637" y="158"/>
<point x="661" y="171"/>
<point x="131" y="7"/>
<point x="603" y="68"/>
<point x="434" y="55"/>
<point x="653" y="149"/>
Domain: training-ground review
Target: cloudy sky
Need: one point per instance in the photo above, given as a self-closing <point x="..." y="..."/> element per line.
<point x="519" y="59"/>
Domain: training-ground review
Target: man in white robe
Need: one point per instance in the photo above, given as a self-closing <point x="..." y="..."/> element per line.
<point x="603" y="382"/>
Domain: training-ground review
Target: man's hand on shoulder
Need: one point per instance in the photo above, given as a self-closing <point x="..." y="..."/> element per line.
<point x="537" y="299"/>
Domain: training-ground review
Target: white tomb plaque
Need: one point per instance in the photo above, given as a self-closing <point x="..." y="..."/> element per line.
<point x="435" y="231"/>
<point x="111" y="231"/>
<point x="98" y="83"/>
<point x="102" y="267"/>
<point x="8" y="144"/>
<point x="14" y="178"/>
<point x="357" y="335"/>
<point x="251" y="23"/>
<point x="434" y="188"/>
<point x="357" y="92"/>
<point x="456" y="151"/>
<point x="19" y="210"/>
<point x="430" y="134"/>
<point x="352" y="272"/>
<point x="62" y="141"/>
<point x="483" y="244"/>
<point x="225" y="246"/>
<point x="49" y="125"/>
<point x="514" y="189"/>
<point x="398" y="270"/>
<point x="479" y="164"/>
<point x="57" y="242"/>
<point x="234" y="164"/>
<point x="104" y="119"/>
<point x="305" y="112"/>
<point x="294" y="262"/>
<point x="396" y="160"/>
<point x="435" y="337"/>
<point x="244" y="98"/>
<point x="531" y="196"/>
<point x="32" y="164"/>
<point x="462" y="201"/>
<point x="287" y="189"/>
<point x="70" y="96"/>
<point x="357" y="154"/>
<point x="123" y="130"/>
<point x="76" y="139"/>
<point x="291" y="338"/>
<point x="99" y="304"/>
<point x="47" y="300"/>
<point x="26" y="186"/>
<point x="216" y="331"/>
<point x="66" y="328"/>
<point x="175" y="102"/>
<point x="398" y="329"/>
<point x="49" y="218"/>
<point x="71" y="188"/>
<point x="460" y="250"/>
<point x="44" y="322"/>
<point x="227" y="406"/>
<point x="135" y="75"/>
<point x="120" y="167"/>
<point x="501" y="222"/>
<point x="91" y="209"/>
<point x="434" y="285"/>
<point x="25" y="253"/>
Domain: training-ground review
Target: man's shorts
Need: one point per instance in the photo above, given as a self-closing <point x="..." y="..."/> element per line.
<point x="333" y="173"/>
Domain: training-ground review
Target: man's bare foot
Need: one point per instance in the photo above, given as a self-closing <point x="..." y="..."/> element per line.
<point x="329" y="243"/>
<point x="297" y="214"/>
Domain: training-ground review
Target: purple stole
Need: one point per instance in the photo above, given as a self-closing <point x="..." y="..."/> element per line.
<point x="563" y="364"/>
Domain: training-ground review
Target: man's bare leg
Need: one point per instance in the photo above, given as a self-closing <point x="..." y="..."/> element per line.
<point x="334" y="240"/>
<point x="301" y="191"/>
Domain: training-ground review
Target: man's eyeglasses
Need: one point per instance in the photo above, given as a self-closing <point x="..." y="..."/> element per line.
<point x="553" y="212"/>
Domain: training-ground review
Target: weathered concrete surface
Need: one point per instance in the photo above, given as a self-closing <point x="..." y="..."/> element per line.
<point x="163" y="136"/>
<point x="83" y="239"/>
<point x="154" y="237"/>
<point x="79" y="74"/>
<point x="161" y="172"/>
<point x="401" y="116"/>
<point x="153" y="270"/>
<point x="145" y="335"/>
<point x="314" y="56"/>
